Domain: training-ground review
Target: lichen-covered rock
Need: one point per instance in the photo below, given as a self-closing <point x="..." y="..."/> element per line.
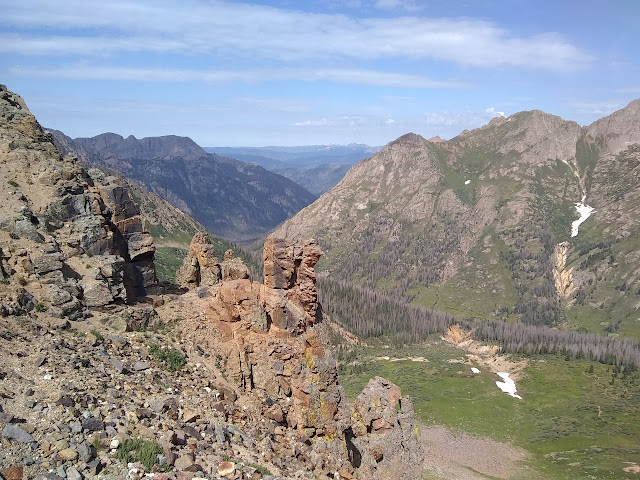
<point x="200" y="266"/>
<point x="269" y="340"/>
<point x="290" y="283"/>
<point x="384" y="433"/>
<point x="233" y="268"/>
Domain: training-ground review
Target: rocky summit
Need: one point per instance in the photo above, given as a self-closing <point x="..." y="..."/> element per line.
<point x="106" y="374"/>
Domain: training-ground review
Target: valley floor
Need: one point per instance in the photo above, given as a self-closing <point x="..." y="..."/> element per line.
<point x="576" y="419"/>
<point x="462" y="456"/>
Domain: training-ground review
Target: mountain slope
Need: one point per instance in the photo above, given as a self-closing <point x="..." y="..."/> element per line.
<point x="230" y="198"/>
<point x="481" y="225"/>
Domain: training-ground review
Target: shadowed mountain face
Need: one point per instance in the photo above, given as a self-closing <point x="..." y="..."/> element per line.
<point x="230" y="198"/>
<point x="481" y="225"/>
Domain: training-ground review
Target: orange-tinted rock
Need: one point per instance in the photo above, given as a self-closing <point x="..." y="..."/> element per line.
<point x="15" y="472"/>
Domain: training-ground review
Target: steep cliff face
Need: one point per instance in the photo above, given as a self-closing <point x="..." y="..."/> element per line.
<point x="490" y="223"/>
<point x="270" y="344"/>
<point x="71" y="238"/>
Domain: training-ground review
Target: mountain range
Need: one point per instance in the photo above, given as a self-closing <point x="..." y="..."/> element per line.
<point x="482" y="225"/>
<point x="316" y="167"/>
<point x="232" y="199"/>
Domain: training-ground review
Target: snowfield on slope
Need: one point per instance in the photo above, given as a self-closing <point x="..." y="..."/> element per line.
<point x="508" y="386"/>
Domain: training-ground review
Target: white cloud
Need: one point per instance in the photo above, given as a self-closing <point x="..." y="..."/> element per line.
<point x="249" y="31"/>
<point x="492" y="111"/>
<point x="323" y="122"/>
<point x="389" y="121"/>
<point x="361" y="77"/>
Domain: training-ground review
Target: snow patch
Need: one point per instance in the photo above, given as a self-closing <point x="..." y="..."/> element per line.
<point x="508" y="386"/>
<point x="467" y="182"/>
<point x="585" y="212"/>
<point x="475" y="370"/>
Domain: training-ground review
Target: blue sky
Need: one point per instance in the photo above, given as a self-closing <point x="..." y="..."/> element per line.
<point x="317" y="72"/>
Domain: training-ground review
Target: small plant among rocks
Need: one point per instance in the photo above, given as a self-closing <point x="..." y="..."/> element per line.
<point x="137" y="449"/>
<point x="172" y="359"/>
<point x="13" y="183"/>
<point x="259" y="468"/>
<point x="97" y="335"/>
<point x="40" y="307"/>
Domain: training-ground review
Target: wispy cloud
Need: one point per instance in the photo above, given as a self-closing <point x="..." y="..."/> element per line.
<point x="633" y="89"/>
<point x="597" y="108"/>
<point x="231" y="29"/>
<point x="360" y="77"/>
<point x="408" y="5"/>
<point x="338" y="121"/>
<point x="492" y="111"/>
<point x="461" y="120"/>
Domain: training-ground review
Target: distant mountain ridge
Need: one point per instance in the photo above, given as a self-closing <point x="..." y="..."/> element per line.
<point x="316" y="167"/>
<point x="230" y="198"/>
<point x="480" y="225"/>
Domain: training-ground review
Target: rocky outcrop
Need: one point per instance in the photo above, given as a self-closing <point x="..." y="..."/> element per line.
<point x="201" y="267"/>
<point x="384" y="433"/>
<point x="289" y="283"/>
<point x="73" y="238"/>
<point x="269" y="342"/>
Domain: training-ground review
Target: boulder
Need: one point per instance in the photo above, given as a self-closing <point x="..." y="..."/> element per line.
<point x="14" y="432"/>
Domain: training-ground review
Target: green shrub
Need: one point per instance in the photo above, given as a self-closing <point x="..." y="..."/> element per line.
<point x="14" y="235"/>
<point x="172" y="359"/>
<point x="137" y="449"/>
<point x="175" y="360"/>
<point x="13" y="183"/>
<point x="40" y="307"/>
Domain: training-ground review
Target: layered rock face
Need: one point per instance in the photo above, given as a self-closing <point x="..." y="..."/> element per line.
<point x="72" y="238"/>
<point x="270" y="344"/>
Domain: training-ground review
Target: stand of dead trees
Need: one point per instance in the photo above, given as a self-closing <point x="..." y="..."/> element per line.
<point x="371" y="313"/>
